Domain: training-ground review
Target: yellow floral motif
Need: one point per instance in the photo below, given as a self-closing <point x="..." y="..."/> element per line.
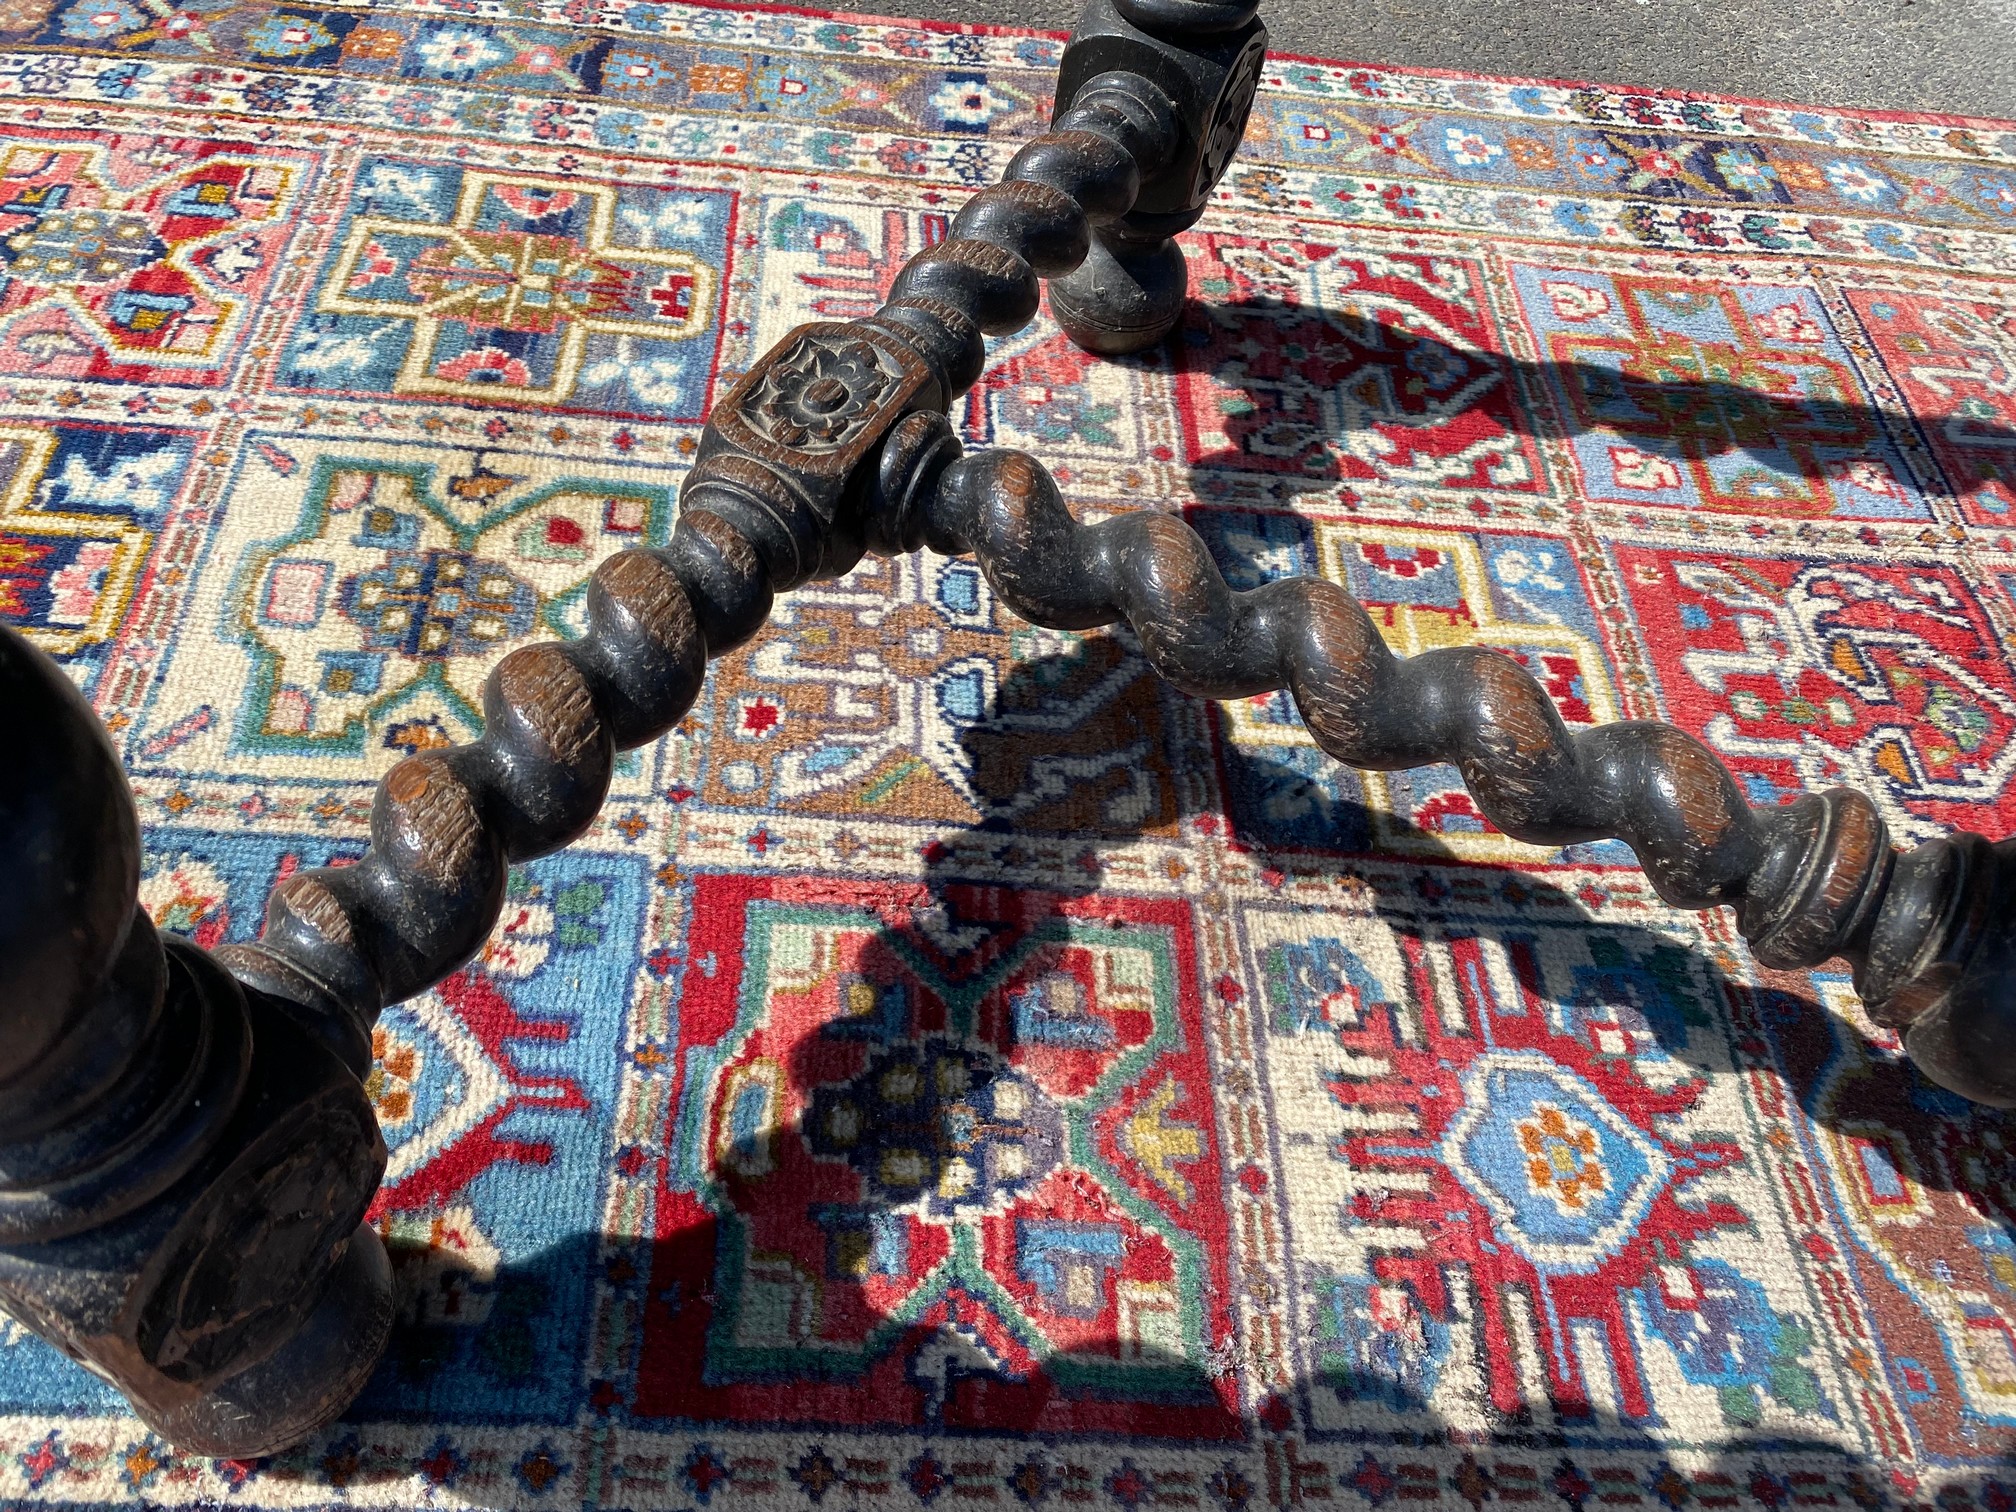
<point x="517" y="281"/>
<point x="1797" y="174"/>
<point x="378" y="43"/>
<point x="395" y="1065"/>
<point x="1561" y="1157"/>
<point x="142" y="1462"/>
<point x="1161" y="1143"/>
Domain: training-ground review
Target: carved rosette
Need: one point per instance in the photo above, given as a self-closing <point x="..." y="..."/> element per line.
<point x="1208" y="79"/>
<point x="795" y="440"/>
<point x="820" y="395"/>
<point x="1227" y="125"/>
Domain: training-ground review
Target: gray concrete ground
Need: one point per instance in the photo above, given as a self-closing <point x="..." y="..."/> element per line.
<point x="1956" y="56"/>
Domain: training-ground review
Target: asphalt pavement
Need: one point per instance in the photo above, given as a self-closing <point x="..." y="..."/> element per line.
<point x="1949" y="56"/>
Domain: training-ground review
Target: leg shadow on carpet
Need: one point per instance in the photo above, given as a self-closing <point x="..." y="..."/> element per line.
<point x="933" y="1089"/>
<point x="1328" y="394"/>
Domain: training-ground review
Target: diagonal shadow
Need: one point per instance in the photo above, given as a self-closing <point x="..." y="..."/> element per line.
<point x="1333" y="397"/>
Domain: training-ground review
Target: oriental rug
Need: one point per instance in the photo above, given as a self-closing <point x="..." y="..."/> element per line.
<point x="1320" y="1146"/>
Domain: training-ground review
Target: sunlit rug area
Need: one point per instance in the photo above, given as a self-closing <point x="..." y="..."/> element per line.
<point x="957" y="1070"/>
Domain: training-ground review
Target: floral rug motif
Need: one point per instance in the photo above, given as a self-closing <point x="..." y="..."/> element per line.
<point x="956" y="1069"/>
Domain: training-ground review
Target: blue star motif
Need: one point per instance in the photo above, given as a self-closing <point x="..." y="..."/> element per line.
<point x="1598" y="1172"/>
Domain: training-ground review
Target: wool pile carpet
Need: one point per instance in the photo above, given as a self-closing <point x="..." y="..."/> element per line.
<point x="957" y="1070"/>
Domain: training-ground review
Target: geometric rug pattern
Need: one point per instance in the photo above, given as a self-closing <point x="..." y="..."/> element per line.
<point x="957" y="1070"/>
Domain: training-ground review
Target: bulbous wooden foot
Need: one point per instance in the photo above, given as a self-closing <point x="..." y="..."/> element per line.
<point x="1183" y="72"/>
<point x="183" y="1166"/>
<point x="1126" y="296"/>
<point x="278" y="1402"/>
<point x="1939" y="963"/>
